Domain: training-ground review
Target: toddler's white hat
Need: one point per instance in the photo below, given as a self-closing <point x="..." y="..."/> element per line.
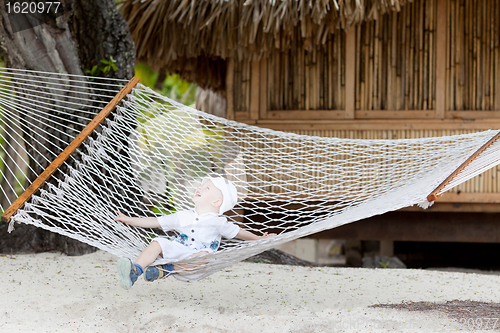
<point x="229" y="193"/>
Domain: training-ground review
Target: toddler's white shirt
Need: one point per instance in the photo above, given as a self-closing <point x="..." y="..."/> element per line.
<point x="199" y="232"/>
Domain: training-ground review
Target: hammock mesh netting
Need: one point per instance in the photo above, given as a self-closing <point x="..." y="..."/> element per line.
<point x="149" y="155"/>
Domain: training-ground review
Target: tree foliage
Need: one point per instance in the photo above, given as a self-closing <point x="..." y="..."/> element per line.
<point x="171" y="85"/>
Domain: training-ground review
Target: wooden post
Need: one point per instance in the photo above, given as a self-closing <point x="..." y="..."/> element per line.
<point x="42" y="178"/>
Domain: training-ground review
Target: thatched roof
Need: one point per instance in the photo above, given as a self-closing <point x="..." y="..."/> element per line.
<point x="184" y="36"/>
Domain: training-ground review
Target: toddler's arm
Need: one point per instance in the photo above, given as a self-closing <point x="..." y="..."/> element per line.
<point x="144" y="222"/>
<point x="247" y="235"/>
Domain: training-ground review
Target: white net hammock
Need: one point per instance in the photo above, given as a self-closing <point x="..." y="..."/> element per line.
<point x="149" y="155"/>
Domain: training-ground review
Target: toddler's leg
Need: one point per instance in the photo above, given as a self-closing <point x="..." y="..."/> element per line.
<point x="128" y="272"/>
<point x="149" y="254"/>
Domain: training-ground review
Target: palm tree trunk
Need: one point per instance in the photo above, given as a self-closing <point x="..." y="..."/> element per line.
<point x="88" y="31"/>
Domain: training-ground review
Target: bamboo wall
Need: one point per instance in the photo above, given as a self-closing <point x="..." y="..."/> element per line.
<point x="473" y="55"/>
<point x="431" y="69"/>
<point x="302" y="80"/>
<point x="395" y="60"/>
<point x="395" y="65"/>
<point x="242" y="76"/>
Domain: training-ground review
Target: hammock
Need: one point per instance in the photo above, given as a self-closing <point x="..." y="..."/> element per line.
<point x="149" y="154"/>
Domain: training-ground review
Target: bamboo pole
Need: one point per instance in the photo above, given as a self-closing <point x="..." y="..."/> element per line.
<point x="357" y="80"/>
<point x="350" y="78"/>
<point x="270" y="93"/>
<point x="230" y="79"/>
<point x="300" y="70"/>
<point x="391" y="72"/>
<point x="486" y="85"/>
<point x="399" y="61"/>
<point x="312" y="82"/>
<point x="236" y="79"/>
<point x="408" y="58"/>
<point x="336" y="63"/>
<point x="413" y="89"/>
<point x="341" y="91"/>
<point x="470" y="55"/>
<point x="420" y="45"/>
<point x="315" y="80"/>
<point x="337" y="68"/>
<point x="305" y="55"/>
<point x="286" y="88"/>
<point x="453" y="53"/>
<point x="324" y="80"/>
<point x="279" y="81"/>
<point x="483" y="62"/>
<point x="465" y="56"/>
<point x="426" y="69"/>
<point x="491" y="56"/>
<point x="264" y="91"/>
<point x="275" y="92"/>
<point x="431" y="54"/>
<point x="241" y="87"/>
<point x="479" y="62"/>
<point x="369" y="76"/>
<point x="44" y="176"/>
<point x="439" y="83"/>
<point x="496" y="66"/>
<point x="474" y="61"/>
<point x="376" y="76"/>
<point x="296" y="76"/>
<point x="330" y="65"/>
<point x="363" y="63"/>
<point x="458" y="60"/>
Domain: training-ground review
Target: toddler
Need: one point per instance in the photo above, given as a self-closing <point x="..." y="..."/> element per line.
<point x="200" y="231"/>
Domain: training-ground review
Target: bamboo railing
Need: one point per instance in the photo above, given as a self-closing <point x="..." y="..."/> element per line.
<point x="486" y="183"/>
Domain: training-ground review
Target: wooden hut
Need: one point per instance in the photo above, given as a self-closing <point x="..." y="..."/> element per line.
<point x="353" y="69"/>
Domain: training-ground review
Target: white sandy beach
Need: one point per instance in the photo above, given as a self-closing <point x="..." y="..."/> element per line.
<point x="50" y="292"/>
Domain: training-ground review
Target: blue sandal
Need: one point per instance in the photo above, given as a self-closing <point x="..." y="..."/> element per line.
<point x="153" y="273"/>
<point x="127" y="272"/>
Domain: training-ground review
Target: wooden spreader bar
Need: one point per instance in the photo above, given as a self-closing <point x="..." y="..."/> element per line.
<point x="434" y="194"/>
<point x="42" y="178"/>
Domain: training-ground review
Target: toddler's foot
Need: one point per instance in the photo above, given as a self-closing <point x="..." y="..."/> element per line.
<point x="153" y="273"/>
<point x="127" y="273"/>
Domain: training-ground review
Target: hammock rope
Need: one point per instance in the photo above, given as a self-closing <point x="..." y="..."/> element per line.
<point x="149" y="155"/>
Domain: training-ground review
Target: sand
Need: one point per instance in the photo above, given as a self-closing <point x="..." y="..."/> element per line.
<point x="50" y="292"/>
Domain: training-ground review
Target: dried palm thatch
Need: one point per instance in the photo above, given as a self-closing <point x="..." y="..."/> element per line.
<point x="186" y="36"/>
